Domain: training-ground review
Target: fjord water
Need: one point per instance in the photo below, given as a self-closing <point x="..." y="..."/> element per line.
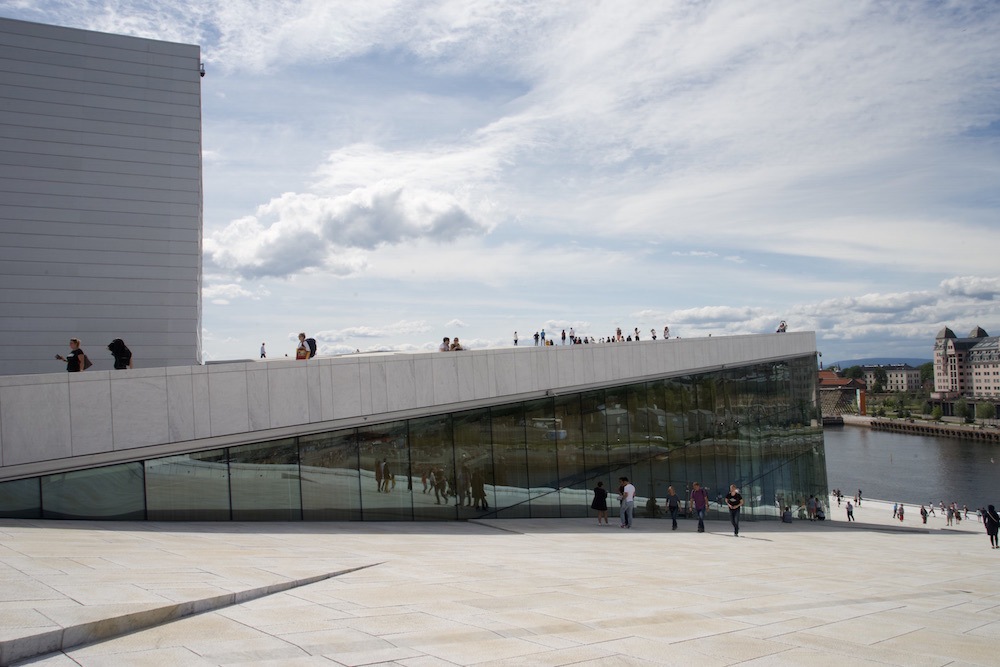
<point x="912" y="469"/>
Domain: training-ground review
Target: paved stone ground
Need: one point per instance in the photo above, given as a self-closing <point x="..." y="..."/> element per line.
<point x="511" y="592"/>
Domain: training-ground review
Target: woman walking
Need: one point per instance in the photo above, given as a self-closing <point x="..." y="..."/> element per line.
<point x="600" y="503"/>
<point x="992" y="521"/>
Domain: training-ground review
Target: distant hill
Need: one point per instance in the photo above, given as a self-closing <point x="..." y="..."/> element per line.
<point x="885" y="361"/>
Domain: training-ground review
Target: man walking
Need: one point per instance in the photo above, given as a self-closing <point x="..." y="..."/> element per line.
<point x="850" y="511"/>
<point x="628" y="502"/>
<point x="673" y="505"/>
<point x="735" y="501"/>
<point x="699" y="498"/>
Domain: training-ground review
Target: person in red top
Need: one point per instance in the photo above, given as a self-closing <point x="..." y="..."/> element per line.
<point x="699" y="498"/>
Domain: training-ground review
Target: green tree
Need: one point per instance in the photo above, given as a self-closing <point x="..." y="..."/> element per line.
<point x="986" y="411"/>
<point x="880" y="376"/>
<point x="937" y="413"/>
<point x="962" y="409"/>
<point x="926" y="372"/>
<point x="854" y="373"/>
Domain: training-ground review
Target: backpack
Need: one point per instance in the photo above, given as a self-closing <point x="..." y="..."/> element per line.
<point x="311" y="342"/>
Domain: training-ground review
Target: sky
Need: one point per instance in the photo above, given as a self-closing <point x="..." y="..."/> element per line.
<point x="379" y="174"/>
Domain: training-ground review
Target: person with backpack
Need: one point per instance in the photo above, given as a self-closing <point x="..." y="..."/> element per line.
<point x="302" y="350"/>
<point x="121" y="353"/>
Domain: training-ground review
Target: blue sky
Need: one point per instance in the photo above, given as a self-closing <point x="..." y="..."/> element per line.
<point x="380" y="174"/>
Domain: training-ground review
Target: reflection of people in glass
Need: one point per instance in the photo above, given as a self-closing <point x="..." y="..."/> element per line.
<point x="673" y="505"/>
<point x="464" y="497"/>
<point x="378" y="475"/>
<point x="440" y="485"/>
<point x="479" y="490"/>
<point x="387" y="476"/>
<point x="699" y="498"/>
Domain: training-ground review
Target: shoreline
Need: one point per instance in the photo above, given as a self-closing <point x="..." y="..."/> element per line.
<point x="914" y="426"/>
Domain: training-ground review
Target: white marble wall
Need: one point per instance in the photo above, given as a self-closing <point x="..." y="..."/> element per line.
<point x="54" y="417"/>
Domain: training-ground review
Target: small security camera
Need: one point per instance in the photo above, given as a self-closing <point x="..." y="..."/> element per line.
<point x="201" y="69"/>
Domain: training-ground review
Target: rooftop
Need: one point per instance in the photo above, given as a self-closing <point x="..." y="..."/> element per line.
<point x="507" y="592"/>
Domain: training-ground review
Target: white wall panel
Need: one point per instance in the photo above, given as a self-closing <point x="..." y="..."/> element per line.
<point x="100" y="185"/>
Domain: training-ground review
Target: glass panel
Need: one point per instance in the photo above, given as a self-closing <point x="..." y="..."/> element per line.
<point x="595" y="446"/>
<point x="433" y="460"/>
<point x="188" y="487"/>
<point x="386" y="486"/>
<point x="640" y="434"/>
<point x="542" y="429"/>
<point x="614" y="412"/>
<point x="264" y="479"/>
<point x="112" y="492"/>
<point x="21" y="499"/>
<point x="574" y="491"/>
<point x="474" y="462"/>
<point x="330" y="487"/>
<point x="510" y="461"/>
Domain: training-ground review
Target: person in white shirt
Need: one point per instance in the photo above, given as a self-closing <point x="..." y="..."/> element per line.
<point x="628" y="502"/>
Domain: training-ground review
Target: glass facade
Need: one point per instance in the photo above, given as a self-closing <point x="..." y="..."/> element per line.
<point x="756" y="426"/>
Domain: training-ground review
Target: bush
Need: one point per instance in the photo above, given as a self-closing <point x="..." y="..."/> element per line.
<point x="937" y="413"/>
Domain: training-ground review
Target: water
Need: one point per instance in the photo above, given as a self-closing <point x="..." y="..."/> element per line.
<point x="912" y="469"/>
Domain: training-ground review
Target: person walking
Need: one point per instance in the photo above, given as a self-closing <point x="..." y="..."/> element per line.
<point x="76" y="360"/>
<point x="734" y="501"/>
<point x="901" y="512"/>
<point x="923" y="514"/>
<point x="263" y="352"/>
<point x="302" y="349"/>
<point x="600" y="503"/>
<point x="673" y="506"/>
<point x="699" y="498"/>
<point x="850" y="511"/>
<point x="628" y="502"/>
<point x="563" y="336"/>
<point x="121" y="354"/>
<point x="515" y="339"/>
<point x="992" y="521"/>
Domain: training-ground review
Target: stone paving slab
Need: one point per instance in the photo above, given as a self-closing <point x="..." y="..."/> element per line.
<point x="510" y="592"/>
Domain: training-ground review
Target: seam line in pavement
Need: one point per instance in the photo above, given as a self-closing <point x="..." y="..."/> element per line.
<point x="91" y="632"/>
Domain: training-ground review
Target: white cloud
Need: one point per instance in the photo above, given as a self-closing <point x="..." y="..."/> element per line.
<point x="459" y="324"/>
<point x="978" y="287"/>
<point x="299" y="232"/>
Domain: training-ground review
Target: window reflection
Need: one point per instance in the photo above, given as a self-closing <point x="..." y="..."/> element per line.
<point x="21" y="499"/>
<point x="188" y="487"/>
<point x="112" y="492"/>
<point x="331" y="490"/>
<point x="386" y="483"/>
<point x="510" y="460"/>
<point x="433" y="456"/>
<point x="264" y="480"/>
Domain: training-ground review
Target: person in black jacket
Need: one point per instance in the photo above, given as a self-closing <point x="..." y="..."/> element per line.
<point x="121" y="353"/>
<point x="992" y="521"/>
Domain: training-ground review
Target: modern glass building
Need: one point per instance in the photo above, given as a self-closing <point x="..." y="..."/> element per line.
<point x="755" y="425"/>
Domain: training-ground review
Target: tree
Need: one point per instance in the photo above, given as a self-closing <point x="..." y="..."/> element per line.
<point x="926" y="372"/>
<point x="854" y="373"/>
<point x="986" y="411"/>
<point x="962" y="409"/>
<point x="880" y="376"/>
<point x="937" y="413"/>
